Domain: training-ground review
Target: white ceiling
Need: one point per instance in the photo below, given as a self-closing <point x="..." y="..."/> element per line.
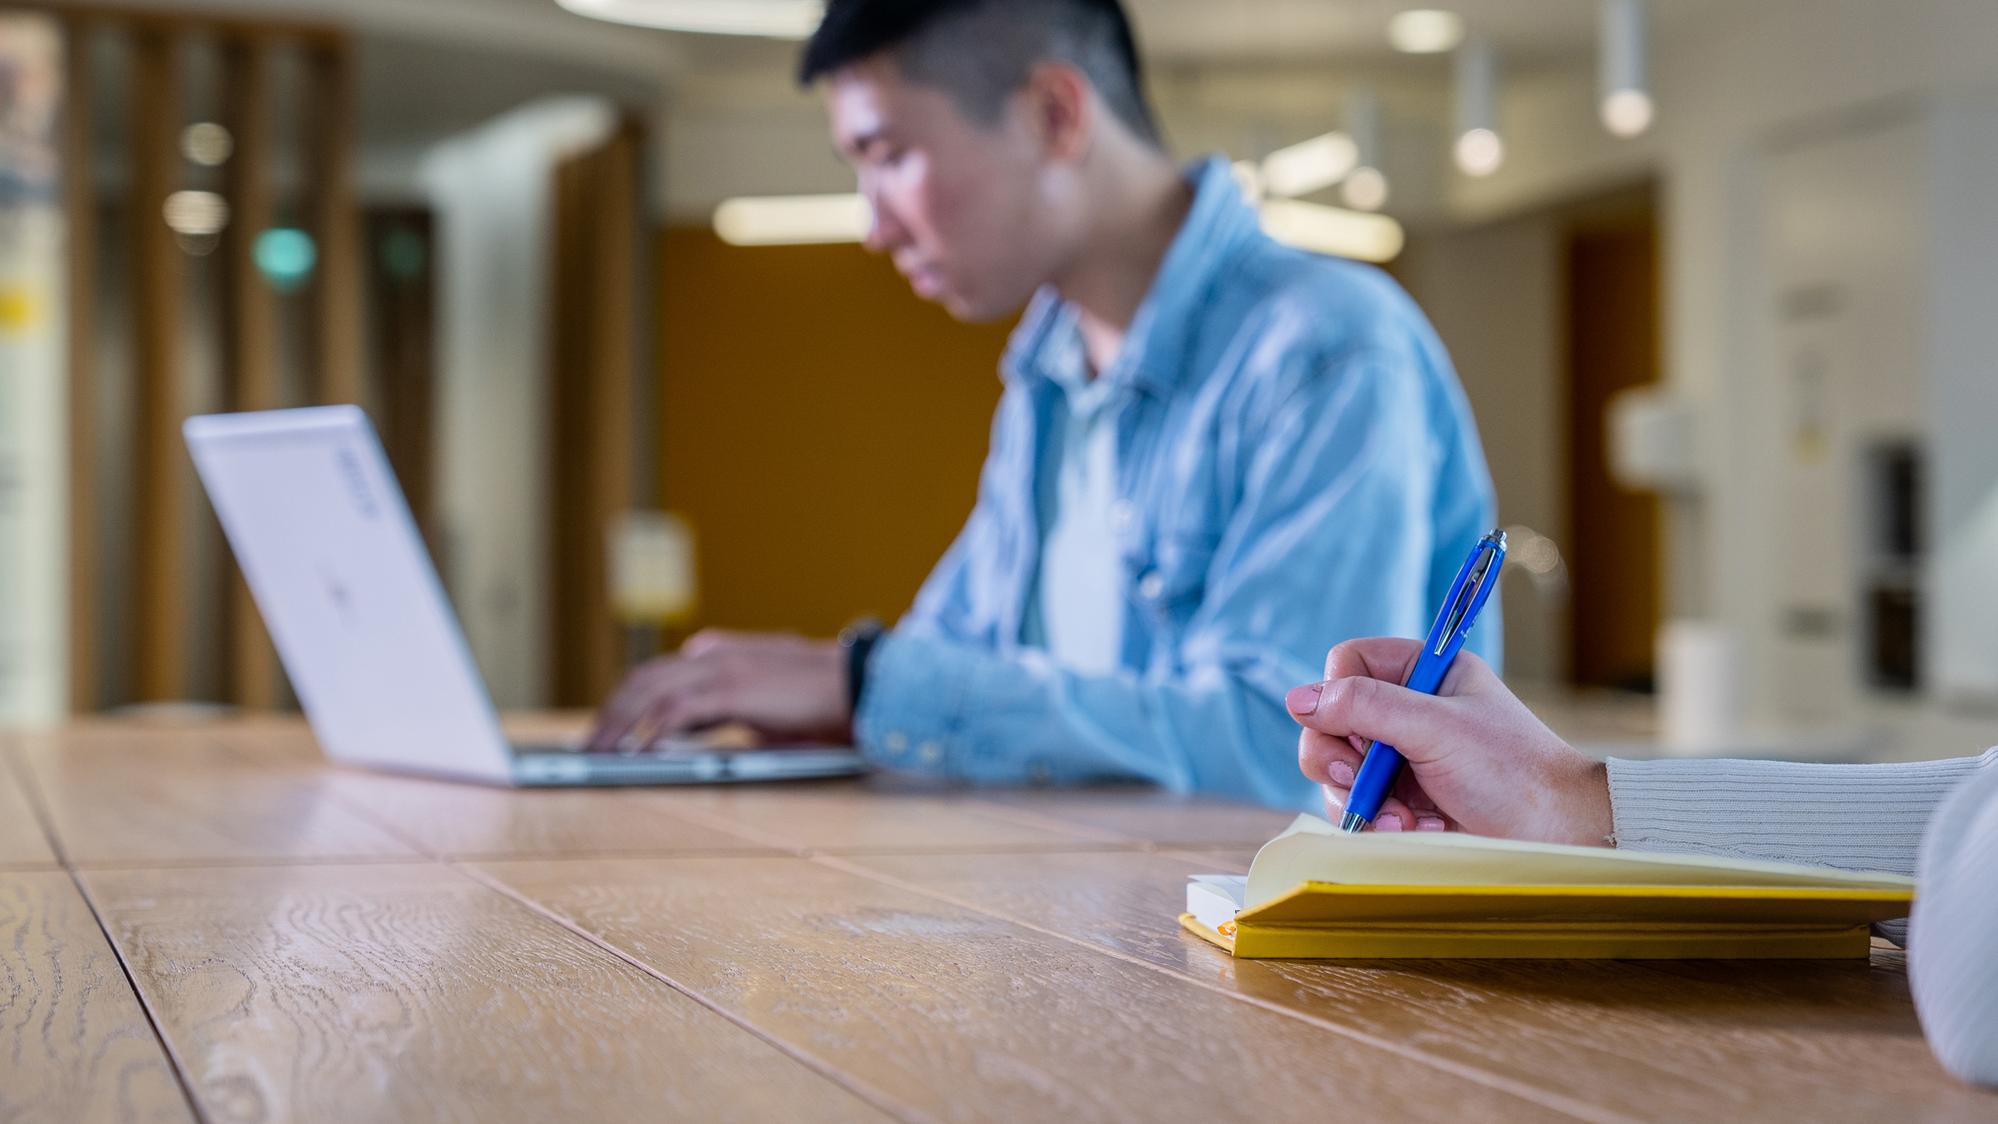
<point x="1345" y="30"/>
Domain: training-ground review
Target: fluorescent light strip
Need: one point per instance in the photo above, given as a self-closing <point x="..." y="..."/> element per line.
<point x="792" y="220"/>
<point x="795" y="220"/>
<point x="1332" y="230"/>
<point x="1309" y="166"/>
<point x="1425" y="31"/>
<point x="775" y="19"/>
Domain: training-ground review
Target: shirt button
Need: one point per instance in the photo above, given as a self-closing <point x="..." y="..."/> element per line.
<point x="930" y="753"/>
<point x="1039" y="773"/>
<point x="895" y="742"/>
<point x="1151" y="587"/>
<point x="1122" y="516"/>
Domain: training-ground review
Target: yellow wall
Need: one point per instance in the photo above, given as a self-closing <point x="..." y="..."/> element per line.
<point x="820" y="427"/>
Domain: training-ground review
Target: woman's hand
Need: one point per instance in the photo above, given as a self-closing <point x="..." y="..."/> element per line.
<point x="1478" y="760"/>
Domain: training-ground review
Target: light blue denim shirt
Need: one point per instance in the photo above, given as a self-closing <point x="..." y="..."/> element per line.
<point x="1296" y="464"/>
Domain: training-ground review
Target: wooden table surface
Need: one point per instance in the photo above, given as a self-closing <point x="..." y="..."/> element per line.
<point x="208" y="922"/>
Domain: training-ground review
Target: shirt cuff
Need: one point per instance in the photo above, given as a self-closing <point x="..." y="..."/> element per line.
<point x="911" y="704"/>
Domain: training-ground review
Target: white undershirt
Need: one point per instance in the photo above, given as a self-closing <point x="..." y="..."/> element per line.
<point x="1077" y="611"/>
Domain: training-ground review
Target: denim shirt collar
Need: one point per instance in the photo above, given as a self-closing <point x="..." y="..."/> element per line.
<point x="1155" y="353"/>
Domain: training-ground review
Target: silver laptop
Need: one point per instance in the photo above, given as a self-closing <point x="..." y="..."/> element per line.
<point x="325" y="538"/>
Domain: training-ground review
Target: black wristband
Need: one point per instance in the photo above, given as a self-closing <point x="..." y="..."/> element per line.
<point x="858" y="640"/>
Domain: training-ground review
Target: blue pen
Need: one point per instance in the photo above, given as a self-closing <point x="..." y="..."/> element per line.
<point x="1468" y="595"/>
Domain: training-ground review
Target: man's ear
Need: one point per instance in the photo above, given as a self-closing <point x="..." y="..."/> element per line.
<point x="1061" y="108"/>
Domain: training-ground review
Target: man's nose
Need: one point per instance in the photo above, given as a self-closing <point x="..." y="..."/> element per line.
<point x="883" y="232"/>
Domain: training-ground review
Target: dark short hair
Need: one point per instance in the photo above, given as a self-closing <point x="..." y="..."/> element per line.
<point x="981" y="51"/>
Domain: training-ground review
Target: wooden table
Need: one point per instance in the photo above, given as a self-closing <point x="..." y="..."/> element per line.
<point x="208" y="922"/>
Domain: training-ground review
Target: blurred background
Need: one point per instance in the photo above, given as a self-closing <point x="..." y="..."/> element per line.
<point x="1719" y="277"/>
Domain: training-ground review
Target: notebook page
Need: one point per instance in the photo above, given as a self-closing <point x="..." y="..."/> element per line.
<point x="1312" y="850"/>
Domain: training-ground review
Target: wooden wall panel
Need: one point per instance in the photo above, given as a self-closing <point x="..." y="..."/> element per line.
<point x="591" y="395"/>
<point x="336" y="226"/>
<point x="80" y="214"/>
<point x="160" y="495"/>
<point x="250" y="326"/>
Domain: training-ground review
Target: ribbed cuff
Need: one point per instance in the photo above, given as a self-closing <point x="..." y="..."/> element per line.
<point x="1855" y="817"/>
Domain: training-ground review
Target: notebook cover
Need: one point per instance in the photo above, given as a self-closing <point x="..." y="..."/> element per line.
<point x="1320" y="920"/>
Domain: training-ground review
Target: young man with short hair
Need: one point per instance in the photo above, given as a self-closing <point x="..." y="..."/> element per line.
<point x="1212" y="453"/>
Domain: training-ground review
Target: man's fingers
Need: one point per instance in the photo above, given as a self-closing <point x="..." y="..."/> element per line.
<point x="642" y="693"/>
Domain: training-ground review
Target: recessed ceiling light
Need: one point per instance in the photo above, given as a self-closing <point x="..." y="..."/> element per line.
<point x="776" y="19"/>
<point x="1426" y="31"/>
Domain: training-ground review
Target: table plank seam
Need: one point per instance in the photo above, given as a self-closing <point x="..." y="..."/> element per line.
<point x="32" y="793"/>
<point x="867" y="1093"/>
<point x="12" y="762"/>
<point x="1566" y="1105"/>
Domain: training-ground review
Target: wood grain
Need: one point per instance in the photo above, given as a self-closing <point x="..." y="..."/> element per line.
<point x="867" y="816"/>
<point x="961" y="1016"/>
<point x="1162" y="819"/>
<point x="1809" y="1040"/>
<point x="74" y="1044"/>
<point x="119" y="797"/>
<point x="22" y="843"/>
<point x="460" y="820"/>
<point x="414" y="993"/>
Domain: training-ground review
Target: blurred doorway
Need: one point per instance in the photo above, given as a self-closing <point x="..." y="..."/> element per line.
<point x="1609" y="306"/>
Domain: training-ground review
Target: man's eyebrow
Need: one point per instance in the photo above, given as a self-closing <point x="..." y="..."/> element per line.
<point x="857" y="142"/>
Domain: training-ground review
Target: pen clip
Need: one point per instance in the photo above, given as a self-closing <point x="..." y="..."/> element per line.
<point x="1469" y="586"/>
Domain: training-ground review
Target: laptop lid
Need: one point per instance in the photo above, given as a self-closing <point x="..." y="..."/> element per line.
<point x="333" y="557"/>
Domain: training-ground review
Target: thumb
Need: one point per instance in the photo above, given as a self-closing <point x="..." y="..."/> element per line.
<point x="1376" y="710"/>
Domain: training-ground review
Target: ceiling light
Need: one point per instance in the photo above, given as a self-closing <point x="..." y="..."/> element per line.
<point x="1627" y="113"/>
<point x="207" y="144"/>
<point x="1426" y="31"/>
<point x="790" y="220"/>
<point x="1309" y="166"/>
<point x="776" y="19"/>
<point x="1479" y="151"/>
<point x="1366" y="186"/>
<point x="1332" y="230"/>
<point x="1365" y="190"/>
<point x="196" y="213"/>
<point x="1625" y="98"/>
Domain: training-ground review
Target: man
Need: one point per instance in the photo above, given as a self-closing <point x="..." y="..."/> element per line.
<point x="1211" y="454"/>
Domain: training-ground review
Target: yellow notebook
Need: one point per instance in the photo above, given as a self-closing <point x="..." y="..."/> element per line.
<point x="1317" y="893"/>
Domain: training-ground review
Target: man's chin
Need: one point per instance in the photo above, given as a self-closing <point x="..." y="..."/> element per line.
<point x="968" y="311"/>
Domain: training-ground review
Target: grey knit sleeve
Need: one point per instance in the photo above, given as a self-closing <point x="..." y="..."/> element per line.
<point x="1953" y="953"/>
<point x="1858" y="817"/>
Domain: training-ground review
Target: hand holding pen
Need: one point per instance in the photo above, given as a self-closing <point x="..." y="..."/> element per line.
<point x="1476" y="759"/>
